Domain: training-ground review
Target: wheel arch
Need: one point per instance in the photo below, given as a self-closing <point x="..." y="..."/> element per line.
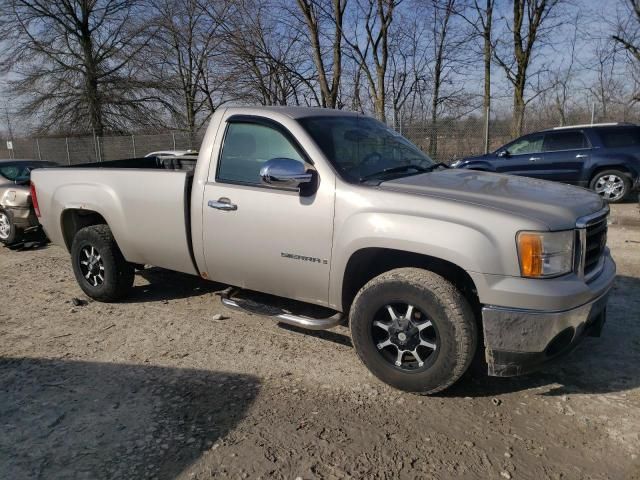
<point x="74" y="219"/>
<point x="367" y="263"/>
<point x="604" y="168"/>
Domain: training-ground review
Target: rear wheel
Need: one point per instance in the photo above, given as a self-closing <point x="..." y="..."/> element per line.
<point x="9" y="233"/>
<point x="414" y="330"/>
<point x="611" y="185"/>
<point x="98" y="265"/>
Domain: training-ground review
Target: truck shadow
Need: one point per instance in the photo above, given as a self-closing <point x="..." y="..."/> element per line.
<point x="598" y="365"/>
<point x="67" y="419"/>
<point x="168" y="285"/>
<point x="327" y="335"/>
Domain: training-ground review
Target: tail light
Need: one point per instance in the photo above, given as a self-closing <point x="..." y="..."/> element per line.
<point x="34" y="200"/>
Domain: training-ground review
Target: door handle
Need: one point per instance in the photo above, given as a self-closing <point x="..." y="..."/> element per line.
<point x="534" y="159"/>
<point x="582" y="155"/>
<point x="222" y="204"/>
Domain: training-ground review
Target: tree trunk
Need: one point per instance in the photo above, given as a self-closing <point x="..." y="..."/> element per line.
<point x="441" y="40"/>
<point x="517" y="126"/>
<point x="356" y="101"/>
<point x="339" y="7"/>
<point x="94" y="101"/>
<point x="328" y="93"/>
<point x="488" y="52"/>
<point x="529" y="14"/>
<point x="380" y="99"/>
<point x="311" y="19"/>
<point x="560" y="107"/>
<point x="435" y="101"/>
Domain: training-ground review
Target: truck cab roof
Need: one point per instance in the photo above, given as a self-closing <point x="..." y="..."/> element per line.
<point x="295" y="112"/>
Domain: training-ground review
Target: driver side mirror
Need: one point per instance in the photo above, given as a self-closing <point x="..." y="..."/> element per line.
<point x="504" y="154"/>
<point x="285" y="173"/>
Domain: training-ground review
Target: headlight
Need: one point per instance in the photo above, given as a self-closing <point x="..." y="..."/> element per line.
<point x="456" y="164"/>
<point x="545" y="254"/>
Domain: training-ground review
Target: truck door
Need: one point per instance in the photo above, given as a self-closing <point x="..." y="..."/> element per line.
<point x="268" y="239"/>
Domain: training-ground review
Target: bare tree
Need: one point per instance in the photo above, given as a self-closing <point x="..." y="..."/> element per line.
<point x="265" y="60"/>
<point x="628" y="30"/>
<point x="439" y="86"/>
<point x="527" y="28"/>
<point x="563" y="77"/>
<point x="317" y="14"/>
<point x="607" y="85"/>
<point x="188" y="40"/>
<point x="356" y="95"/>
<point x="72" y="61"/>
<point x="482" y="24"/>
<point x="374" y="17"/>
<point x="408" y="62"/>
<point x="443" y="12"/>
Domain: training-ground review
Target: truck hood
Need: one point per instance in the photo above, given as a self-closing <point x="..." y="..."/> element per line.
<point x="555" y="204"/>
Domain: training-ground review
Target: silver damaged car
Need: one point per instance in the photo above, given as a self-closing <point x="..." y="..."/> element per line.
<point x="17" y="215"/>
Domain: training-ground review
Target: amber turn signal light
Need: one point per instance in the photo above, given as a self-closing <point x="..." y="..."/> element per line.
<point x="530" y="249"/>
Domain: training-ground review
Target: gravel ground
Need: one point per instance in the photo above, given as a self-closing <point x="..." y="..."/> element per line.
<point x="160" y="387"/>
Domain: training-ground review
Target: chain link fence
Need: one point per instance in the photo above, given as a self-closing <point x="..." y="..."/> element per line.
<point x="89" y="149"/>
<point x="445" y="141"/>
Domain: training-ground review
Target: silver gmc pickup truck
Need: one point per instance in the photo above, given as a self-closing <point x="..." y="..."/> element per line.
<point x="426" y="264"/>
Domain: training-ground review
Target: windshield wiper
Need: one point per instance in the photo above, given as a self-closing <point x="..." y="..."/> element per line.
<point x="403" y="168"/>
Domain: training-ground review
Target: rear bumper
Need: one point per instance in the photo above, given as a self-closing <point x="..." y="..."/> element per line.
<point x="22" y="217"/>
<point x="518" y="341"/>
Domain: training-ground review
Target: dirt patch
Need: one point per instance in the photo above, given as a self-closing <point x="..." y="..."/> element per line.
<point x="158" y="387"/>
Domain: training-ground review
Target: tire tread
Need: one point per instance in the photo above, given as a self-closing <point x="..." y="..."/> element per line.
<point x="124" y="271"/>
<point x="458" y="310"/>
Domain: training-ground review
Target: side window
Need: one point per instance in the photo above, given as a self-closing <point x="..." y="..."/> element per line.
<point x="620" y="137"/>
<point x="247" y="146"/>
<point x="555" y="141"/>
<point x="528" y="144"/>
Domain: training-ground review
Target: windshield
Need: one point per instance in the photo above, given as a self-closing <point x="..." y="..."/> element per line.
<point x="361" y="148"/>
<point x="20" y="172"/>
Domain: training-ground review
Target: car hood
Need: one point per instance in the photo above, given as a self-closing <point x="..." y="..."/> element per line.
<point x="556" y="205"/>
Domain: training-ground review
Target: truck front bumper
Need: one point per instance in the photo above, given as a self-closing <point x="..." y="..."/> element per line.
<point x="518" y="341"/>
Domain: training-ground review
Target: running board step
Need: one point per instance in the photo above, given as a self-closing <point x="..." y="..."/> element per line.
<point x="280" y="315"/>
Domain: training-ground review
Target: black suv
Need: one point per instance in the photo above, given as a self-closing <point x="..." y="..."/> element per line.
<point x="604" y="157"/>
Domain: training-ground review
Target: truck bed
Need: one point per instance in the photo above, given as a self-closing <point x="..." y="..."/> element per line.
<point x="186" y="164"/>
<point x="145" y="201"/>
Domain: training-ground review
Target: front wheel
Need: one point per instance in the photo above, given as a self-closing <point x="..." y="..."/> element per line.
<point x="611" y="185"/>
<point x="9" y="233"/>
<point x="98" y="265"/>
<point x="413" y="330"/>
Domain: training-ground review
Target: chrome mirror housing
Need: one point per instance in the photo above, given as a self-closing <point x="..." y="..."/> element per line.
<point x="285" y="172"/>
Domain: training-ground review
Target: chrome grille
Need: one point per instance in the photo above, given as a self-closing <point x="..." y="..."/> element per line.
<point x="595" y="243"/>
